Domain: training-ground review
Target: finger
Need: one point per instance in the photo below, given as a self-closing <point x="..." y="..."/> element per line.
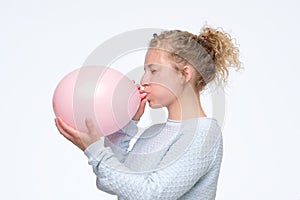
<point x="90" y="125"/>
<point x="68" y="129"/>
<point x="143" y="105"/>
<point x="62" y="131"/>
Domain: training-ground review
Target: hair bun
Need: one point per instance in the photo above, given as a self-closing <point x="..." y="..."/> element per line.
<point x="221" y="48"/>
<point x="211" y="60"/>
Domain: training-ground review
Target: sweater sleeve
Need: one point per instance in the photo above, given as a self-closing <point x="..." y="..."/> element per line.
<point x="186" y="161"/>
<point x="119" y="141"/>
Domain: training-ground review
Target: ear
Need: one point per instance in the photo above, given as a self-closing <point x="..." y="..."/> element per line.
<point x="187" y="72"/>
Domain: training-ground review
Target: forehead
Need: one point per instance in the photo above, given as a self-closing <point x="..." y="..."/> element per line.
<point x="157" y="57"/>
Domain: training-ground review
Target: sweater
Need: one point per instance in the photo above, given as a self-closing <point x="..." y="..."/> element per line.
<point x="171" y="160"/>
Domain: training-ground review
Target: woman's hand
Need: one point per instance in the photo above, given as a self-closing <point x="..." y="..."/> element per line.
<point x="80" y="139"/>
<point x="141" y="108"/>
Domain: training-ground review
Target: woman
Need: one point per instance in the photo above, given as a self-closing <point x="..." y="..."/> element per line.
<point x="179" y="159"/>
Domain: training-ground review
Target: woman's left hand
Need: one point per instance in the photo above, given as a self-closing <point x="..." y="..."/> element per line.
<point x="80" y="139"/>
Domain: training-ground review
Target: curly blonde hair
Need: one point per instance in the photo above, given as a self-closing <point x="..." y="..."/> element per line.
<point x="211" y="53"/>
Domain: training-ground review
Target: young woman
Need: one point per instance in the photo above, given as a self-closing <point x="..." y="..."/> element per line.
<point x="178" y="159"/>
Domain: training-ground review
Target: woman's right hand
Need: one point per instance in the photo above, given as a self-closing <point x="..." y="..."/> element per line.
<point x="143" y="102"/>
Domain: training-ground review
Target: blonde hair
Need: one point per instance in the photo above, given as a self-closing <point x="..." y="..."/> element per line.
<point x="211" y="53"/>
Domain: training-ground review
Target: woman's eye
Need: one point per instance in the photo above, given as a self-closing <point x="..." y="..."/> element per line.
<point x="152" y="71"/>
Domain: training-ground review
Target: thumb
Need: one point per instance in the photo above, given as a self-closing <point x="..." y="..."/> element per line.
<point x="140" y="110"/>
<point x="90" y="125"/>
<point x="143" y="105"/>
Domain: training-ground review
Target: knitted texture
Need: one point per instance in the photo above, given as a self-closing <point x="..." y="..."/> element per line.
<point x="172" y="160"/>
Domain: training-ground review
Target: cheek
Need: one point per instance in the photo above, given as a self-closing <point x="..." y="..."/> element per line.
<point x="167" y="82"/>
<point x="162" y="95"/>
<point x="170" y="88"/>
<point x="165" y="86"/>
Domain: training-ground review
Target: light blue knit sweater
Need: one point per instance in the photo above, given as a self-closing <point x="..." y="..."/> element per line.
<point x="172" y="160"/>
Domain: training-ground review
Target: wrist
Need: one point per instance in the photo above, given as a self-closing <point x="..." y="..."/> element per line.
<point x="136" y="118"/>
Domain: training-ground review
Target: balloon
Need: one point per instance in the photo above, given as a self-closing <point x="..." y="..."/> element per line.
<point x="104" y="94"/>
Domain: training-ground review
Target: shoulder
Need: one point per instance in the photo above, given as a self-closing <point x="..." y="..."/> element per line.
<point x="209" y="136"/>
<point x="201" y="126"/>
<point x="202" y="134"/>
<point x="198" y="141"/>
<point x="209" y="126"/>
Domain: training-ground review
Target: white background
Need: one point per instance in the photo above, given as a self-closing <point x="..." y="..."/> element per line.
<point x="41" y="41"/>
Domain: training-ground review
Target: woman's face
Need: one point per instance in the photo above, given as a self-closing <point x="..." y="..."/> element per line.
<point x="161" y="81"/>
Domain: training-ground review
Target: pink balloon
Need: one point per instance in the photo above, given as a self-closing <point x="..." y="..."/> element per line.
<point x="104" y="94"/>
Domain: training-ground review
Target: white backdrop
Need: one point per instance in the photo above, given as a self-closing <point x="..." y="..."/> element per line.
<point x="41" y="41"/>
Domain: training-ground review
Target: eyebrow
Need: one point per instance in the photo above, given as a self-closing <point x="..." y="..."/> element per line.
<point x="149" y="66"/>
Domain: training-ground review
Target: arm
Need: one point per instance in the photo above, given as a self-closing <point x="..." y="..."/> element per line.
<point x="119" y="141"/>
<point x="192" y="164"/>
<point x="83" y="140"/>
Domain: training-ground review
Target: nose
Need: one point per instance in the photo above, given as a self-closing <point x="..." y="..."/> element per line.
<point x="144" y="80"/>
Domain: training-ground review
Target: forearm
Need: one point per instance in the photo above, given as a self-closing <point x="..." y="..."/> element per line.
<point x="114" y="176"/>
<point x="119" y="141"/>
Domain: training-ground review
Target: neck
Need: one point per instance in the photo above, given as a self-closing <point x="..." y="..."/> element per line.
<point x="186" y="106"/>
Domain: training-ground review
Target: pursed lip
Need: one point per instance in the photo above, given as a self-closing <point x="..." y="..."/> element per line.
<point x="143" y="95"/>
<point x="146" y="91"/>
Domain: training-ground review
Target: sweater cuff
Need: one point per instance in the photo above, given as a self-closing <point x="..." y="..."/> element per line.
<point x="130" y="128"/>
<point x="132" y="122"/>
<point x="135" y="121"/>
<point x="94" y="151"/>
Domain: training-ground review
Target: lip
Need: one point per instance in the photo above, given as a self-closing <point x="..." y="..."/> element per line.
<point x="146" y="91"/>
<point x="143" y="95"/>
